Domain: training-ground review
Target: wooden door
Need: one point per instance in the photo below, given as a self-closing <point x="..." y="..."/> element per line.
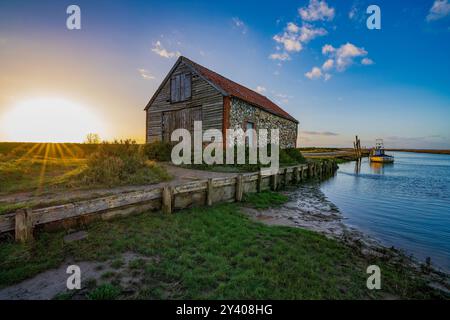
<point x="180" y="119"/>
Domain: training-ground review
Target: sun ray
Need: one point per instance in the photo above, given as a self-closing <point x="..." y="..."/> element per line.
<point x="67" y="149"/>
<point x="39" y="151"/>
<point x="80" y="151"/>
<point x="61" y="154"/>
<point x="44" y="164"/>
<point x="29" y="152"/>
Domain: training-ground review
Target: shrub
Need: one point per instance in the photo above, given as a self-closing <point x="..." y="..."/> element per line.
<point x="123" y="162"/>
<point x="158" y="151"/>
<point x="295" y="155"/>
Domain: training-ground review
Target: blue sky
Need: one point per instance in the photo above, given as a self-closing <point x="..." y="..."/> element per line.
<point x="392" y="83"/>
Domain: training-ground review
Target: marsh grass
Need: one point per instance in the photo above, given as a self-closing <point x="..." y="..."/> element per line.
<point x="265" y="199"/>
<point x="215" y="253"/>
<point x="49" y="167"/>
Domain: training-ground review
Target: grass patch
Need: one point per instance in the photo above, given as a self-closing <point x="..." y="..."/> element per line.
<point x="215" y="253"/>
<point x="52" y="167"/>
<point x="265" y="199"/>
<point x="104" y="292"/>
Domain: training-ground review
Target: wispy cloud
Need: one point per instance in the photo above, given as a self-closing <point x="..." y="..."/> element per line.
<point x="260" y="89"/>
<point x="319" y="133"/>
<point x="280" y="56"/>
<point x="145" y="74"/>
<point x="240" y="25"/>
<point x="159" y="49"/>
<point x="316" y="10"/>
<point x="439" y="10"/>
<point x="367" y="61"/>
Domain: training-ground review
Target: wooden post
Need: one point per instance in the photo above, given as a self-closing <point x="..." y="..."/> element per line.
<point x="239" y="187"/>
<point x="209" y="193"/>
<point x="259" y="182"/>
<point x="274" y="181"/>
<point x="296" y="175"/>
<point x="24" y="225"/>
<point x="167" y="199"/>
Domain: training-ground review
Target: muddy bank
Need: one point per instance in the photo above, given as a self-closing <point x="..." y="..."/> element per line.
<point x="310" y="209"/>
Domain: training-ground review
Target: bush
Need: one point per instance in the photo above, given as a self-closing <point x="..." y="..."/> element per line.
<point x="158" y="151"/>
<point x="295" y="155"/>
<point x="123" y="162"/>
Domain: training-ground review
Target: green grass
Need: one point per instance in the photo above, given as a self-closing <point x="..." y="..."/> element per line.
<point x="265" y="199"/>
<point x="104" y="292"/>
<point x="44" y="167"/>
<point x="215" y="253"/>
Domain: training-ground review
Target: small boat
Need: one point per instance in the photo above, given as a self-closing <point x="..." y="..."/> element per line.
<point x="377" y="154"/>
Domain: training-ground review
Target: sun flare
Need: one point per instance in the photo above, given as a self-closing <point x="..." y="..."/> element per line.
<point x="49" y="120"/>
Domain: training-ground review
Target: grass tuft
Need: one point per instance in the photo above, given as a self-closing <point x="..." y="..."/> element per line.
<point x="265" y="199"/>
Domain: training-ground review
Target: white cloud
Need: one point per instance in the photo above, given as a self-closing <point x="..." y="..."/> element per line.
<point x="327" y="49"/>
<point x="327" y="76"/>
<point x="327" y="65"/>
<point x="290" y="41"/>
<point x="293" y="38"/>
<point x="315" y="73"/>
<point x="307" y="33"/>
<point x="352" y="12"/>
<point x="161" y="51"/>
<point x="145" y="74"/>
<point x="439" y="10"/>
<point x="367" y="61"/>
<point x="344" y="55"/>
<point x="239" y="24"/>
<point x="292" y="27"/>
<point x="280" y="56"/>
<point x="260" y="89"/>
<point x="316" y="10"/>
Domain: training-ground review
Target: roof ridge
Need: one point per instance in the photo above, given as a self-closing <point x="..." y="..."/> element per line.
<point x="239" y="91"/>
<point x="195" y="63"/>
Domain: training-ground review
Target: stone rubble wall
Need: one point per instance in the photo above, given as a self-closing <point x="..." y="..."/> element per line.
<point x="242" y="112"/>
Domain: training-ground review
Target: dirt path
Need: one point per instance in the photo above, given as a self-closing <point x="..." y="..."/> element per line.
<point x="180" y="175"/>
<point x="47" y="285"/>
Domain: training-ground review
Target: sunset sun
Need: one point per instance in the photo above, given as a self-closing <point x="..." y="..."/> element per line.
<point x="49" y="120"/>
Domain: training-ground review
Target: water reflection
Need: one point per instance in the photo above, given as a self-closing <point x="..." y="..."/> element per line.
<point x="378" y="167"/>
<point x="358" y="166"/>
<point x="405" y="204"/>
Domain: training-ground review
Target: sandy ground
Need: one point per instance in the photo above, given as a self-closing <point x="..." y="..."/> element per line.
<point x="48" y="284"/>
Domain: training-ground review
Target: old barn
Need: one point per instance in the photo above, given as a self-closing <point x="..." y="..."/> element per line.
<point x="191" y="92"/>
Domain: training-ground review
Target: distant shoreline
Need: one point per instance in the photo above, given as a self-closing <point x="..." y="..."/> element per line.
<point x="434" y="151"/>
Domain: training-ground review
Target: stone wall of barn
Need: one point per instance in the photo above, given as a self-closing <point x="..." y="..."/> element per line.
<point x="242" y="112"/>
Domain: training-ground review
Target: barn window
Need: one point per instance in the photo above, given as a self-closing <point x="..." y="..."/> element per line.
<point x="250" y="133"/>
<point x="180" y="87"/>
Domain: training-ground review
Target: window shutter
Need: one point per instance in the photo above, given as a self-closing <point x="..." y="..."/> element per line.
<point x="187" y="86"/>
<point x="182" y="84"/>
<point x="177" y="87"/>
<point x="173" y="90"/>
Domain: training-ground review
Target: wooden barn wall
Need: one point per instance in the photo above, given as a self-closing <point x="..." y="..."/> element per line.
<point x="204" y="95"/>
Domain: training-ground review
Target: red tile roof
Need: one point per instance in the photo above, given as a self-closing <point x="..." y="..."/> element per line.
<point x="236" y="90"/>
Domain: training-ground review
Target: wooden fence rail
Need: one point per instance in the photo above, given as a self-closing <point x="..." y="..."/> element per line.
<point x="166" y="198"/>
